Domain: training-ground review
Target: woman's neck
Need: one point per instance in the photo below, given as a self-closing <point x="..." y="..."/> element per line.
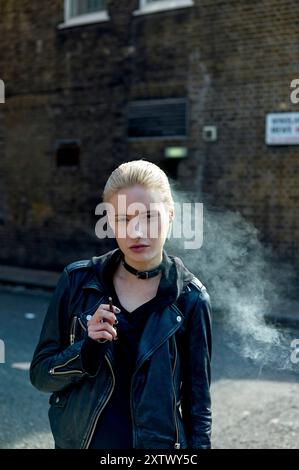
<point x="145" y="265"/>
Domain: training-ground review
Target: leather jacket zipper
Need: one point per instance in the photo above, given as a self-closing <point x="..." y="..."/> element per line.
<point x="73" y="330"/>
<point x="131" y="408"/>
<point x="97" y="413"/>
<point x="81" y="323"/>
<point x="53" y="371"/>
<point x="177" y="444"/>
<point x="72" y="340"/>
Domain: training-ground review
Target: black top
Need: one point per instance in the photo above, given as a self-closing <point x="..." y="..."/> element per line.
<point x="114" y="427"/>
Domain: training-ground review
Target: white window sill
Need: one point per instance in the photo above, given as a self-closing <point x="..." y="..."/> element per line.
<point x="163" y="6"/>
<point x="85" y="19"/>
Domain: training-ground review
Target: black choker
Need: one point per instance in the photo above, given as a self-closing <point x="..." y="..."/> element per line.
<point x="143" y="274"/>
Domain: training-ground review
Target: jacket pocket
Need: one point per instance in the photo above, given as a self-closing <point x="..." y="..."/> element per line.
<point x="59" y="419"/>
<point x="66" y="367"/>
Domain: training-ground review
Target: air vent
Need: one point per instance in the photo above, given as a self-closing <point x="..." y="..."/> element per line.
<point x="165" y="118"/>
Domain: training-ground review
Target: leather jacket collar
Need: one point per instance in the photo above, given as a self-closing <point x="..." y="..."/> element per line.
<point x="174" y="270"/>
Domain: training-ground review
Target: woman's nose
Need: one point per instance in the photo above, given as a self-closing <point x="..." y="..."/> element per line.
<point x="137" y="231"/>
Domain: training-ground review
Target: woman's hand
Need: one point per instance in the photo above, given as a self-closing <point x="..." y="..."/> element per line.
<point x="99" y="326"/>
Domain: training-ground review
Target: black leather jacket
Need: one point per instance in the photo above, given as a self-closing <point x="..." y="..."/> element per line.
<point x="170" y="387"/>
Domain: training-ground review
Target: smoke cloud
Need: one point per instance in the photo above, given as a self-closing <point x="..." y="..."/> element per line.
<point x="245" y="280"/>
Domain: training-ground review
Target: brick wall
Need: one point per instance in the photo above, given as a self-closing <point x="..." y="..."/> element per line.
<point x="250" y="57"/>
<point x="233" y="60"/>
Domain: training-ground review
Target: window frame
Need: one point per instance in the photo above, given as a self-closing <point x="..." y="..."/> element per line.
<point x="86" y="18"/>
<point x="161" y="5"/>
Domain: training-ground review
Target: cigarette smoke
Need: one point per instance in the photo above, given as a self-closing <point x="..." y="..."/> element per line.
<point x="245" y="282"/>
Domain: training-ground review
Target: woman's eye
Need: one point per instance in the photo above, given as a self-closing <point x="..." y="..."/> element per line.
<point x="146" y="217"/>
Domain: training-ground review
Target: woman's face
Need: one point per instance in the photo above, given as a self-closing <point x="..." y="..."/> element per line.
<point x="139" y="219"/>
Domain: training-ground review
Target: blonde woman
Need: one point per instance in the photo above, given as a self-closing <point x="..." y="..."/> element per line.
<point x="125" y="346"/>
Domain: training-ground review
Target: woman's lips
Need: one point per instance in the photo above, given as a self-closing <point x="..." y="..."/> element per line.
<point x="138" y="248"/>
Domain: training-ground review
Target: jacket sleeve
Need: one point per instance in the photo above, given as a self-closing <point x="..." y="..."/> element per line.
<point x="56" y="364"/>
<point x="196" y="399"/>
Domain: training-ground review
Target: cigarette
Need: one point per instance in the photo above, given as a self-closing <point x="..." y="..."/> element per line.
<point x="110" y="306"/>
<point x="111" y="310"/>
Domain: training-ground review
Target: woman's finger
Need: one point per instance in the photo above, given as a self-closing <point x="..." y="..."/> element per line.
<point x="101" y="335"/>
<point x="102" y="327"/>
<point x="107" y="307"/>
<point x="101" y="315"/>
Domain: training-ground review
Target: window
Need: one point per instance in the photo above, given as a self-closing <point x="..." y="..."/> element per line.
<point x="152" y="6"/>
<point x="160" y="119"/>
<point x="79" y="12"/>
<point x="68" y="153"/>
<point x="83" y="7"/>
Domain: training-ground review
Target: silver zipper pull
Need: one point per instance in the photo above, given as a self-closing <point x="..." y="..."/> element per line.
<point x="177" y="445"/>
<point x="73" y="330"/>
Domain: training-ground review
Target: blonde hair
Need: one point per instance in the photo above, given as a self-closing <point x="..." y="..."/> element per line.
<point x="141" y="172"/>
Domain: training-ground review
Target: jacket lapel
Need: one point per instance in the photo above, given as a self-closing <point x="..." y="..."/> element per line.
<point x="159" y="327"/>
